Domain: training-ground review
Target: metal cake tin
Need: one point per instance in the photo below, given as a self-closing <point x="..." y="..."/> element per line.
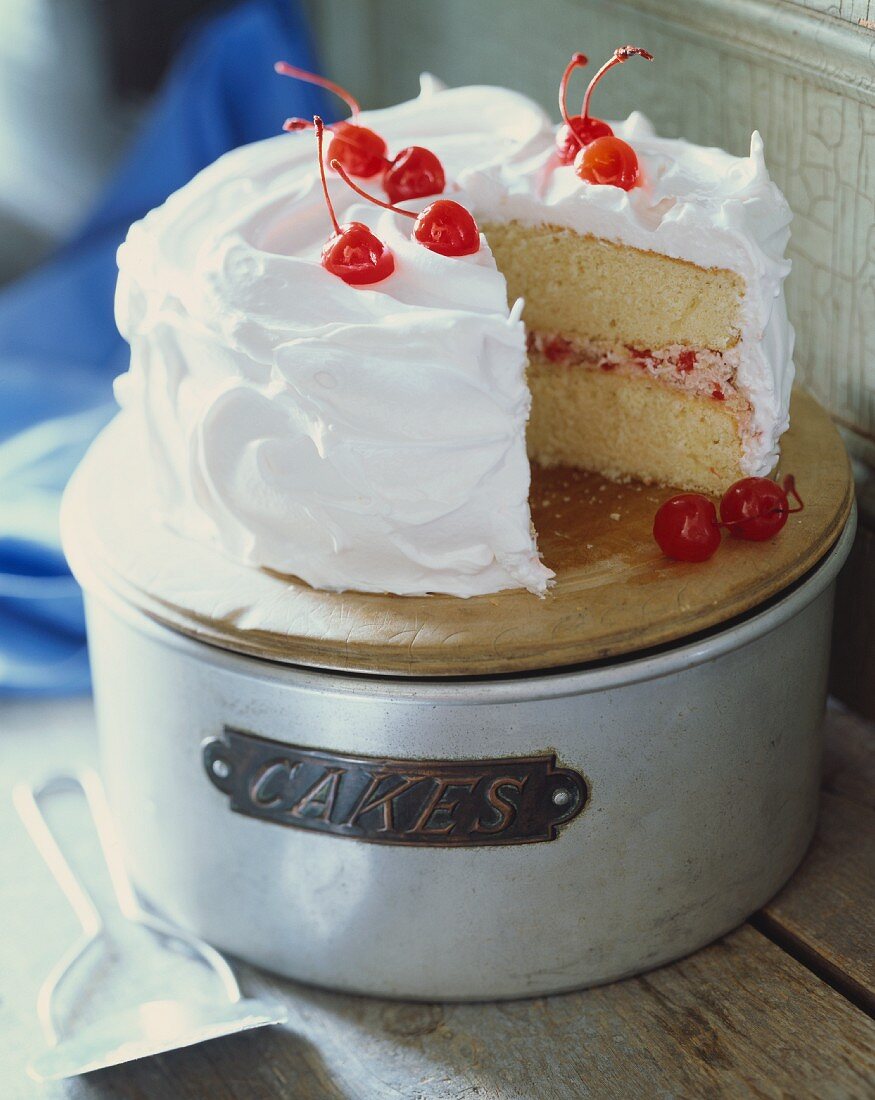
<point x="552" y="831"/>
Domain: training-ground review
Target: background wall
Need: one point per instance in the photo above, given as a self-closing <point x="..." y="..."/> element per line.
<point x="801" y="73"/>
<point x="61" y="128"/>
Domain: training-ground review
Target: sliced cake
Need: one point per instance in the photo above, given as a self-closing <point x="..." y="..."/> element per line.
<point x="374" y="437"/>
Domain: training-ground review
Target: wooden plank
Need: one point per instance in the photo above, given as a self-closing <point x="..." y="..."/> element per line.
<point x="849" y="759"/>
<point x="824" y="914"/>
<point x="852" y="672"/>
<point x="740" y="1018"/>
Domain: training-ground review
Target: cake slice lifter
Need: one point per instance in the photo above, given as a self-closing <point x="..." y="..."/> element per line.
<point x="147" y="1028"/>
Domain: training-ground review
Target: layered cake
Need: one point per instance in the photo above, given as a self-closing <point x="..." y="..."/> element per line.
<point x="378" y="437"/>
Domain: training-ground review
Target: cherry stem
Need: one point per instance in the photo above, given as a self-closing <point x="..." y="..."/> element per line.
<point x="620" y="55"/>
<point x="577" y="61"/>
<point x="729" y="524"/>
<point x="285" y="69"/>
<point x="341" y="171"/>
<point x="320" y="131"/>
<point x="293" y="125"/>
<point x="790" y="489"/>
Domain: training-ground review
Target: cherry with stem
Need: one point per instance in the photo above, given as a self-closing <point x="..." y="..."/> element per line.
<point x="361" y="151"/>
<point x="756" y="508"/>
<point x="353" y="252"/>
<point x="444" y="226"/>
<point x="580" y="130"/>
<point x="598" y="156"/>
<point x="412" y="174"/>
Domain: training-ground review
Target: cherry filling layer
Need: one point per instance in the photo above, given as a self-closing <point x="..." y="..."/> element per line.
<point x="701" y="371"/>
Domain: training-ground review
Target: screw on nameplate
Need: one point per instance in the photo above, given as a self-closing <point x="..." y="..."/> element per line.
<point x="464" y="803"/>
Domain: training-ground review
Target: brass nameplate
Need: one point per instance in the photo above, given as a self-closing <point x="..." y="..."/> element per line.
<point x="513" y="800"/>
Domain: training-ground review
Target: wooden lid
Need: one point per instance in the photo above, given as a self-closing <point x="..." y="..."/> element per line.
<point x="615" y="593"/>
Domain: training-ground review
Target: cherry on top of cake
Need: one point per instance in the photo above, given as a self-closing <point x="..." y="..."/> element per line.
<point x="413" y="173"/>
<point x="356" y="254"/>
<point x="589" y="143"/>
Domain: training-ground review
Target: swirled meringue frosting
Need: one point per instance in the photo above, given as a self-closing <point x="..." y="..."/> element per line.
<point x="374" y="438"/>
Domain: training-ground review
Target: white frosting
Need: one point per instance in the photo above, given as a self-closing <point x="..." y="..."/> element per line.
<point x="374" y="439"/>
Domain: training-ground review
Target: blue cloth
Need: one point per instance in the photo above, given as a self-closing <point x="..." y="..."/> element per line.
<point x="59" y="348"/>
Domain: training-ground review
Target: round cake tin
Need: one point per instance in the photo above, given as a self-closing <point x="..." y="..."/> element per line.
<point x="682" y="793"/>
<point x="424" y="797"/>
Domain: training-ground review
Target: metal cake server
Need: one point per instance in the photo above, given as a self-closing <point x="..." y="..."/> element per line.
<point x="152" y="1027"/>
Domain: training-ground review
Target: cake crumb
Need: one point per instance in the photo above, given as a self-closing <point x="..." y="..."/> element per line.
<point x="615" y="515"/>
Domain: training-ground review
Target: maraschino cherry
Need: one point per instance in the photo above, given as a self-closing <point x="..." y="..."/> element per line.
<point x="756" y="508"/>
<point x="444" y="226"/>
<point x="361" y="151"/>
<point x="352" y="253"/>
<point x="608" y="161"/>
<point x="686" y="527"/>
<point x="414" y="173"/>
<point x="582" y="129"/>
<point x="447" y="228"/>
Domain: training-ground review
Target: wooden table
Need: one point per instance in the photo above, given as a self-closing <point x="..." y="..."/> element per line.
<point x="782" y="1007"/>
